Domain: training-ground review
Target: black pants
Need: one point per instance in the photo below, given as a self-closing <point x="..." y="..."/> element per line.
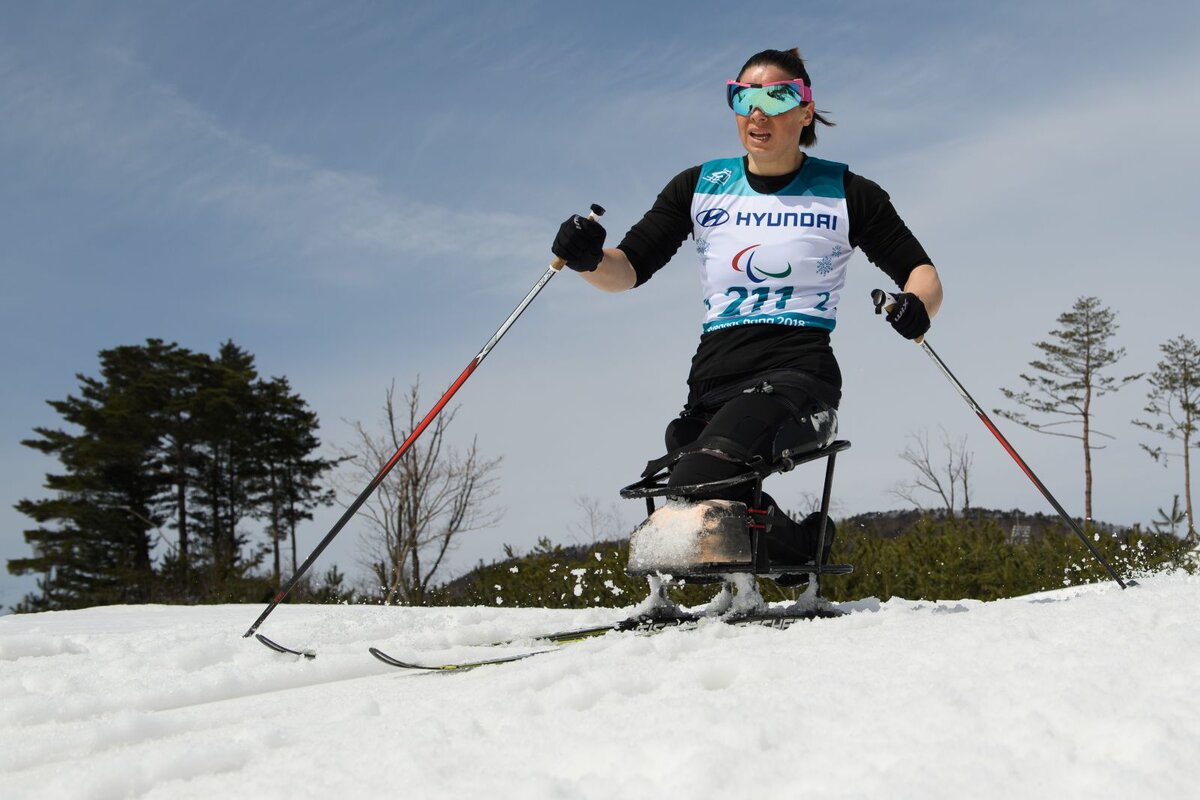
<point x="721" y="437"/>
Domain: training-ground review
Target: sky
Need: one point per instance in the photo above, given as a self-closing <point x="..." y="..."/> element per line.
<point x="360" y="193"/>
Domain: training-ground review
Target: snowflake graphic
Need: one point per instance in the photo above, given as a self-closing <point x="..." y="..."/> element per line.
<point x="702" y="247"/>
<point x="825" y="265"/>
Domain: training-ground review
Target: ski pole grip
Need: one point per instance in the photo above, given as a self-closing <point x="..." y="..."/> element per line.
<point x="597" y="212"/>
<point x="886" y="301"/>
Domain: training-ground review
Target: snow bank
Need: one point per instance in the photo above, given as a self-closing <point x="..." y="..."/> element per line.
<point x="1084" y="692"/>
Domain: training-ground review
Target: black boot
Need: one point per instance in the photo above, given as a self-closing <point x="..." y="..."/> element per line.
<point x="810" y="533"/>
<point x="785" y="544"/>
<point x="792" y="543"/>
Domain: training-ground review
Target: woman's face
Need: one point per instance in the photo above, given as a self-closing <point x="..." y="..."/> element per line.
<point x="773" y="143"/>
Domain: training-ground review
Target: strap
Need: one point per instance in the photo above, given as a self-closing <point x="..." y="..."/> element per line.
<point x="766" y="382"/>
<point x="663" y="462"/>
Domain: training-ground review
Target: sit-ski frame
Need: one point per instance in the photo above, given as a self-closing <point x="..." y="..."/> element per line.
<point x="760" y="519"/>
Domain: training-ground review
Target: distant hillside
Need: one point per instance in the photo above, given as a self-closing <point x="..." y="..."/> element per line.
<point x="889" y="524"/>
<point x="985" y="554"/>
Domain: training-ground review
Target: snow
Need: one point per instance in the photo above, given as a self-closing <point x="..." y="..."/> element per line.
<point x="1081" y="692"/>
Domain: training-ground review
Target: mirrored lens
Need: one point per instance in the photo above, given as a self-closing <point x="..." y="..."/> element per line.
<point x="770" y="100"/>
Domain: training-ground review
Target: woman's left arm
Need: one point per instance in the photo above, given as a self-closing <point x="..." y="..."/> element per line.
<point x="924" y="282"/>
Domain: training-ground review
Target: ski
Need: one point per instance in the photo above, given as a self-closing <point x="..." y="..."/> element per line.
<point x="645" y="625"/>
<point x="558" y="639"/>
<point x="571" y="635"/>
<point x="278" y="648"/>
<point x="392" y="661"/>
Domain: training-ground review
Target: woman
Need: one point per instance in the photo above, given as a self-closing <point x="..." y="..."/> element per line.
<point x="774" y="230"/>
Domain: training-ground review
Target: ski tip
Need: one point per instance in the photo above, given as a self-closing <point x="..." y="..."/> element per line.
<point x="389" y="660"/>
<point x="278" y="648"/>
<point x="392" y="661"/>
<point x="461" y="666"/>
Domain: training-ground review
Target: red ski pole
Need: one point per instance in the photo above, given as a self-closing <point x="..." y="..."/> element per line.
<point x="883" y="302"/>
<point x="555" y="265"/>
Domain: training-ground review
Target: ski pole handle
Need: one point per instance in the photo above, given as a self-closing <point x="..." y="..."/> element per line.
<point x="597" y="211"/>
<point x="886" y="301"/>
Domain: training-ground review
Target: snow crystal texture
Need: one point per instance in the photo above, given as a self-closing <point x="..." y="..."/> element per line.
<point x="1085" y="692"/>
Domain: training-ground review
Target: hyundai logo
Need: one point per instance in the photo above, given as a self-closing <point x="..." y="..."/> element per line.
<point x="712" y="217"/>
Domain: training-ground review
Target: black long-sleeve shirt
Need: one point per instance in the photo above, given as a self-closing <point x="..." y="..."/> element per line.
<point x="740" y="352"/>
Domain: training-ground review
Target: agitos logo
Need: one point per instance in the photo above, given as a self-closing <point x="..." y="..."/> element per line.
<point x="747" y="266"/>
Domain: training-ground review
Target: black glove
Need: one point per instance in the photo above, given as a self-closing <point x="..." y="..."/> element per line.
<point x="908" y="316"/>
<point x="580" y="242"/>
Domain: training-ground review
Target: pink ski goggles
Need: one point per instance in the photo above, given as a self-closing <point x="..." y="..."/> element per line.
<point x="769" y="98"/>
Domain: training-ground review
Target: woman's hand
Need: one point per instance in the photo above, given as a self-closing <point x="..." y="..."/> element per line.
<point x="580" y="242"/>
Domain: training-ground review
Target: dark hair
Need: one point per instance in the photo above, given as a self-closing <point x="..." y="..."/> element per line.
<point x="790" y="62"/>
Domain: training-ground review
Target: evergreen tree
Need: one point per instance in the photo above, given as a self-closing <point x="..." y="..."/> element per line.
<point x="1174" y="398"/>
<point x="98" y="549"/>
<point x="286" y="438"/>
<point x="1169" y="521"/>
<point x="228" y="474"/>
<point x="1069" y="380"/>
<point x="165" y="436"/>
<point x="180" y="375"/>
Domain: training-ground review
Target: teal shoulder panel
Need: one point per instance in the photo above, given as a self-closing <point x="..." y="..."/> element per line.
<point x="819" y="178"/>
<point x="723" y="176"/>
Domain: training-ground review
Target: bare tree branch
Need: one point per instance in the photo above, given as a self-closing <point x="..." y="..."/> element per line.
<point x="432" y="496"/>
<point x="943" y="480"/>
<point x="600" y="522"/>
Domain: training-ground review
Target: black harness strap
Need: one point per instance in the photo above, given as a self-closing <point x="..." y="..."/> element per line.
<point x="710" y="402"/>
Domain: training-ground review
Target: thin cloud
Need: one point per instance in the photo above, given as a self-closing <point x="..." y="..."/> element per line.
<point x="106" y="122"/>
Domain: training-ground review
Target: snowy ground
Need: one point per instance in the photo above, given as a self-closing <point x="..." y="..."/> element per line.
<point x="1086" y="692"/>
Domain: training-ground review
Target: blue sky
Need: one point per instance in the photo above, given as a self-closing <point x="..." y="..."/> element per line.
<point x="360" y="192"/>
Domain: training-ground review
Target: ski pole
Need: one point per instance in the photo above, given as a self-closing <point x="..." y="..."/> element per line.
<point x="555" y="265"/>
<point x="884" y="301"/>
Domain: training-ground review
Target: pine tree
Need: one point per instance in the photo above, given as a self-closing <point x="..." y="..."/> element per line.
<point x="1174" y="397"/>
<point x="1070" y="380"/>
<point x="229" y="475"/>
<point x="167" y="437"/>
<point x="179" y="374"/>
<point x="98" y="548"/>
<point x="285" y="440"/>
